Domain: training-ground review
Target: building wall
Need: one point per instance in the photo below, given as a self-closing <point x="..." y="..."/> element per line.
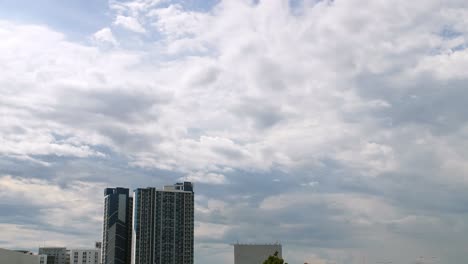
<point x="44" y="259"/>
<point x="163" y="225"/>
<point x="254" y="254"/>
<point x="85" y="256"/>
<point x="13" y="257"/>
<point x="59" y="254"/>
<point x="116" y="242"/>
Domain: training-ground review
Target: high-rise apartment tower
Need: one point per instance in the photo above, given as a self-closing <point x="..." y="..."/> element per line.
<point x="117" y="229"/>
<point x="163" y="225"/>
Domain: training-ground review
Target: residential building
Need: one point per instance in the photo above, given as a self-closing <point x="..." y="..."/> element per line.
<point x="163" y="225"/>
<point x="58" y="254"/>
<point x="44" y="259"/>
<point x="254" y="253"/>
<point x="85" y="256"/>
<point x="116" y="239"/>
<point x="98" y="245"/>
<point x="67" y="257"/>
<point x="27" y="252"/>
<point x="17" y="257"/>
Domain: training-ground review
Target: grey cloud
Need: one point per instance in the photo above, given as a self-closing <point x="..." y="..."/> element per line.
<point x="205" y="76"/>
<point x="437" y="104"/>
<point x="228" y="152"/>
<point x="86" y="107"/>
<point x="20" y="214"/>
<point x="263" y="114"/>
<point x="127" y="140"/>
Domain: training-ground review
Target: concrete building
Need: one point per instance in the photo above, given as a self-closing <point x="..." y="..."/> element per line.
<point x="163" y="225"/>
<point x="254" y="253"/>
<point x="117" y="229"/>
<point x="44" y="259"/>
<point x="56" y="254"/>
<point x="17" y="257"/>
<point x="85" y="256"/>
<point x="98" y="245"/>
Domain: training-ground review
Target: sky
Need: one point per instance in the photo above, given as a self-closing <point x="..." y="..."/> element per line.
<point x="336" y="127"/>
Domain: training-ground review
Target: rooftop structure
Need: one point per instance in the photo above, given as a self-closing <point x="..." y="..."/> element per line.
<point x="254" y="253"/>
<point x="17" y="257"/>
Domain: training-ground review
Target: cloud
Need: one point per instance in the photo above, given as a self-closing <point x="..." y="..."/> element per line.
<point x="105" y="35"/>
<point x="176" y="22"/>
<point x="73" y="209"/>
<point x="133" y="7"/>
<point x="129" y="23"/>
<point x="208" y="178"/>
<point x="205" y="230"/>
<point x="252" y="100"/>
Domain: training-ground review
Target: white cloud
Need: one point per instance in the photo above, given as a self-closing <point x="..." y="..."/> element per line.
<point x="134" y="7"/>
<point x="208" y="178"/>
<point x="43" y="144"/>
<point x="446" y="66"/>
<point x="175" y="22"/>
<point x="105" y="35"/>
<point x="309" y="184"/>
<point x="16" y="236"/>
<point x="72" y="208"/>
<point x="129" y="23"/>
<point x="209" y="230"/>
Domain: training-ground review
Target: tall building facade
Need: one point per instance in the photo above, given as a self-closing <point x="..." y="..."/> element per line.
<point x="55" y="255"/>
<point x="254" y="253"/>
<point x="116" y="239"/>
<point x="163" y="225"/>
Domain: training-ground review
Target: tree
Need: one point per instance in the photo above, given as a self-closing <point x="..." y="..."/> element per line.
<point x="274" y="259"/>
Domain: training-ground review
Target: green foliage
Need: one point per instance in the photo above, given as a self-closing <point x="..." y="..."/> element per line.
<point x="274" y="259"/>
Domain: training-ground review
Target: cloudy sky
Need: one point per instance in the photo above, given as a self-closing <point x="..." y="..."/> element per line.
<point x="339" y="128"/>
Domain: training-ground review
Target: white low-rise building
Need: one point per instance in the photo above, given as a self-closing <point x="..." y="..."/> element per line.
<point x="85" y="256"/>
<point x="44" y="260"/>
<point x="254" y="253"/>
<point x="55" y="255"/>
